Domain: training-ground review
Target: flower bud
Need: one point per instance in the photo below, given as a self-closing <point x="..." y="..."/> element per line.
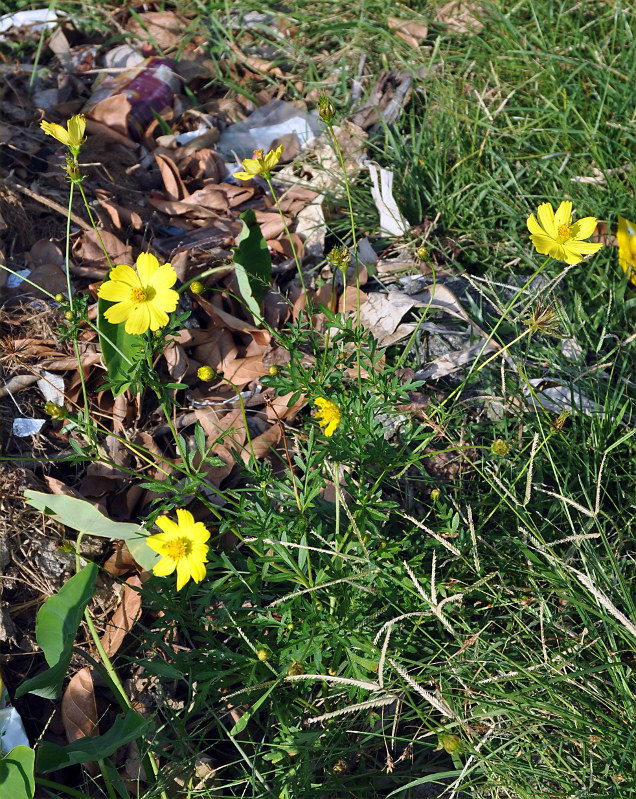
<point x="422" y="253"/>
<point x="59" y="298"/>
<point x="273" y="370"/>
<point x="206" y="373"/>
<point x="69" y="316"/>
<point x="449" y="743"/>
<point x="500" y="448"/>
<point x="436" y="494"/>
<point x="196" y="287"/>
<point x="55" y="411"/>
<point x="339" y="257"/>
<point x="296" y="668"/>
<point x="326" y="110"/>
<point x="262" y="655"/>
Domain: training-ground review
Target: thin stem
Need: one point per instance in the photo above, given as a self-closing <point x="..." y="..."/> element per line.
<point x="503" y="349"/>
<point x="59" y="787"/>
<point x="92" y="221"/>
<point x="247" y="432"/>
<point x="336" y="478"/>
<point x="288" y="234"/>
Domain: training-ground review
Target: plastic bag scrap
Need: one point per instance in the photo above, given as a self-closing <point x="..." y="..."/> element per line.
<point x="11" y="727"/>
<point x="36" y="19"/>
<point x="264" y="126"/>
<point x="149" y="84"/>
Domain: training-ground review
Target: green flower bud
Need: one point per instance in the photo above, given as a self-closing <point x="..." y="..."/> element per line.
<point x="326" y="110"/>
<point x="55" y="411"/>
<point x="59" y="298"/>
<point x="422" y="253"/>
<point x="69" y="316"/>
<point x="197" y="287"/>
<point x="339" y="257"/>
<point x="206" y="373"/>
<point x="262" y="655"/>
<point x="500" y="448"/>
<point x="436" y="494"/>
<point x="273" y="370"/>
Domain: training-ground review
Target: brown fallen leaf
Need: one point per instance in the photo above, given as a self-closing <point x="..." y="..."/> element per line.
<point x="174" y="185"/>
<point x="461" y="16"/>
<point x="410" y="32"/>
<point x="120" y="216"/>
<point x="79" y="711"/>
<point x="124" y="617"/>
<point x="162" y="29"/>
<point x="111" y="114"/>
<point x="87" y="249"/>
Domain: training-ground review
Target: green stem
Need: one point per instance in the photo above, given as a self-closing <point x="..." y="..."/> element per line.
<point x="291" y="242"/>
<point x="92" y="221"/>
<point x="59" y="787"/>
<point x="336" y="479"/>
<point x="247" y="432"/>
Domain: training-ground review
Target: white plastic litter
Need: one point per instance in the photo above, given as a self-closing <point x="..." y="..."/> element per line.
<point x="24" y="427"/>
<point x="11" y="728"/>
<point x="35" y="18"/>
<point x="392" y="223"/>
<point x="52" y="387"/>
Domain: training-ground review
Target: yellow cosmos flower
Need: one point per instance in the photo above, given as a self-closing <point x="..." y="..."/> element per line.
<point x="144" y="298"/>
<point x="182" y="547"/>
<point x="260" y="164"/>
<point x="72" y="136"/>
<point x="329" y="415"/>
<point x="626" y="235"/>
<point x="556" y="235"/>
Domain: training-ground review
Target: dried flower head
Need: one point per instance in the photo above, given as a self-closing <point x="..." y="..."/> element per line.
<point x="339" y="257"/>
<point x="544" y="318"/>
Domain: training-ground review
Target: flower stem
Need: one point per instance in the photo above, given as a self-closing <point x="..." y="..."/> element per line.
<point x="291" y="242"/>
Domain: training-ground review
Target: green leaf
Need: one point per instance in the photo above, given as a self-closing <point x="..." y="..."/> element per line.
<point x="121" y="350"/>
<point x="79" y="514"/>
<point x="55" y="630"/>
<point x="241" y="724"/>
<point x="253" y="263"/>
<point x="16" y="773"/>
<point x="85" y="750"/>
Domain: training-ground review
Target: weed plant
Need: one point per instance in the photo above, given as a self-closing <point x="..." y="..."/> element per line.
<point x="439" y="596"/>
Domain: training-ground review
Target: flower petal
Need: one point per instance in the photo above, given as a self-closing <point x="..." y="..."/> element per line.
<point x="138" y="320"/>
<point x="166" y="299"/>
<point x="582" y="247"/>
<point x="197" y="568"/>
<point x="545" y="214"/>
<point x="147" y="265"/>
<point x="76" y="128"/>
<point x="166" y="524"/>
<point x="158" y="318"/>
<point x="114" y="291"/>
<point x="199" y="533"/>
<point x="123" y="273"/>
<point x="534" y="227"/>
<point x="547" y="246"/>
<point x="183" y="573"/>
<point x="164" y="567"/>
<point x="563" y="214"/>
<point x="242" y="175"/>
<point x="583" y="228"/>
<point x="119" y="313"/>
<point x="185" y="520"/>
<point x="164" y="277"/>
<point x="57" y="131"/>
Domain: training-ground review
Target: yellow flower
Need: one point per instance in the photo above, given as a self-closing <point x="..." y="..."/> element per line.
<point x="72" y="135"/>
<point x="328" y="416"/>
<point x="556" y="235"/>
<point x="626" y="235"/>
<point x="182" y="547"/>
<point x="144" y="298"/>
<point x="260" y="164"/>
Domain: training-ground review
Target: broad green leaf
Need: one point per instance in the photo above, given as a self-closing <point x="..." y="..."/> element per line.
<point x="55" y="631"/>
<point x="85" y="750"/>
<point x="241" y="724"/>
<point x="17" y="780"/>
<point x="79" y="514"/>
<point x="253" y="263"/>
<point x="120" y="349"/>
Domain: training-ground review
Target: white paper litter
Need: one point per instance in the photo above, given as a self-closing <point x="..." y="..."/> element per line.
<point x="392" y="223"/>
<point x="35" y="18"/>
<point x="13" y="281"/>
<point x="24" y="427"/>
<point x="52" y="387"/>
<point x="553" y="395"/>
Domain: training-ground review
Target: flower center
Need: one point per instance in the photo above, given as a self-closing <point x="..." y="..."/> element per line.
<point x="259" y="154"/>
<point x="138" y="295"/>
<point x="564" y="232"/>
<point x="177" y="548"/>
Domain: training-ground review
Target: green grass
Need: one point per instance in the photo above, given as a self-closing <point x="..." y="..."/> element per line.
<point x="530" y="662"/>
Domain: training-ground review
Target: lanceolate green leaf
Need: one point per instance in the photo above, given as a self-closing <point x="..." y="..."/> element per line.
<point x="120" y="349"/>
<point x="253" y="263"/>
<point x="85" y="750"/>
<point x="81" y="515"/>
<point x="55" y="630"/>
<point x="17" y="780"/>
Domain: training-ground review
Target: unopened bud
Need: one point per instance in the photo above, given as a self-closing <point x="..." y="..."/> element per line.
<point x="500" y="448"/>
<point x="325" y="108"/>
<point x="206" y="373"/>
<point x="273" y="370"/>
<point x="340" y="257"/>
<point x="59" y="298"/>
<point x="55" y="411"/>
<point x="69" y="316"/>
<point x="435" y="494"/>
<point x="422" y="253"/>
<point x="262" y="655"/>
<point x="196" y="287"/>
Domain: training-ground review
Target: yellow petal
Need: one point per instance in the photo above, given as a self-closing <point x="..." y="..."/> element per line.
<point x="147" y="265"/>
<point x="534" y="227"/>
<point x="582" y="247"/>
<point x="547" y="246"/>
<point x="57" y="131"/>
<point x="138" y="319"/>
<point x="125" y="274"/>
<point x="164" y="277"/>
<point x="196" y="568"/>
<point x="166" y="524"/>
<point x="185" y="520"/>
<point x="563" y="214"/>
<point x="119" y="313"/>
<point x="545" y="215"/>
<point x="166" y="299"/>
<point x="164" y="567"/>
<point x="158" y="318"/>
<point x="199" y="533"/>
<point x="76" y="128"/>
<point x="272" y="158"/>
<point x="243" y="175"/>
<point x="183" y="573"/>
<point x="583" y="228"/>
<point x="252" y="166"/>
<point x="114" y="291"/>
